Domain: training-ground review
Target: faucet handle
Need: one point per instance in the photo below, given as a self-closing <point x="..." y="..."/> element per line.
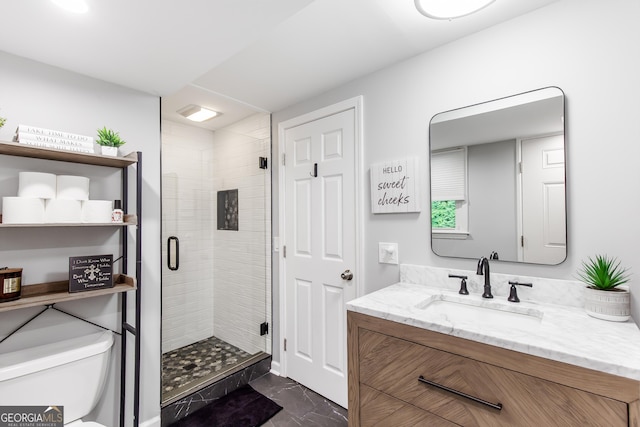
<point x="463" y="284"/>
<point x="513" y="294"/>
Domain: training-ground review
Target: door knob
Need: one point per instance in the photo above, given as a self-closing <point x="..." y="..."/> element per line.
<point x="347" y="275"/>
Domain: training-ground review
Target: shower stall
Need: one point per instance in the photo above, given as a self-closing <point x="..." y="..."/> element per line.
<point x="216" y="300"/>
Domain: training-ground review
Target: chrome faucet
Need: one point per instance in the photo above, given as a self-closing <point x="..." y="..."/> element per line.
<point x="483" y="268"/>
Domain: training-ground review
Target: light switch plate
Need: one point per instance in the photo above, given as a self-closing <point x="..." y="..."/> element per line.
<point x="387" y="253"/>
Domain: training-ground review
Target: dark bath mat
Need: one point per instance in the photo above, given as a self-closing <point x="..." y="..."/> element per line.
<point x="243" y="407"/>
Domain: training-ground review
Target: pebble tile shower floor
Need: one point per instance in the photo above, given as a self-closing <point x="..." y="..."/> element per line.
<point x="197" y="363"/>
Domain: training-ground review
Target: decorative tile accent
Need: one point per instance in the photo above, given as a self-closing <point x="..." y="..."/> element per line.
<point x="228" y="209"/>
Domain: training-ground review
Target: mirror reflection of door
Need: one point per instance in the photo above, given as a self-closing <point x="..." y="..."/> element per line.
<point x="544" y="239"/>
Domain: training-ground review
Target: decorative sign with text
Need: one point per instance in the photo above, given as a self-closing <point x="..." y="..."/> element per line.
<point x="87" y="273"/>
<point x="395" y="187"/>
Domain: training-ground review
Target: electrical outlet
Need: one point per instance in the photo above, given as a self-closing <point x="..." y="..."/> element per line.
<point x="387" y="253"/>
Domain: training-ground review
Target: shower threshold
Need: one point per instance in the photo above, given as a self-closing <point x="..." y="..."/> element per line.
<point x="196" y="366"/>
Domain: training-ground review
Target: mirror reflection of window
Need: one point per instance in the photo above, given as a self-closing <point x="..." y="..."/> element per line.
<point x="449" y="192"/>
<point x="443" y="215"/>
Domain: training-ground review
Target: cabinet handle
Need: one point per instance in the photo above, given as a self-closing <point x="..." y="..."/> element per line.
<point x="173" y="260"/>
<point x="497" y="406"/>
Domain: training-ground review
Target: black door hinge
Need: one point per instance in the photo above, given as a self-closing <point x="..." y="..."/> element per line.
<point x="262" y="162"/>
<point x="264" y="328"/>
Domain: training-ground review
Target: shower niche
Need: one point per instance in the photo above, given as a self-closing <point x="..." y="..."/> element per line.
<point x="227" y="210"/>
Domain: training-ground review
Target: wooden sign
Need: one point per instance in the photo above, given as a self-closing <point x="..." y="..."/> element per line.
<point x="395" y="186"/>
<point x="87" y="273"/>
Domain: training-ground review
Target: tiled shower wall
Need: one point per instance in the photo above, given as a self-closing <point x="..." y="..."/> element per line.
<point x="242" y="269"/>
<point x="223" y="285"/>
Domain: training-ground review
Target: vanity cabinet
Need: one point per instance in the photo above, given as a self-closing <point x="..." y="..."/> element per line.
<point x="403" y="375"/>
<point x="45" y="294"/>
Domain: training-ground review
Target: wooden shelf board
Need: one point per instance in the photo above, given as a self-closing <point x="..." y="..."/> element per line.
<point x="129" y="220"/>
<point x="16" y="149"/>
<point x="55" y="292"/>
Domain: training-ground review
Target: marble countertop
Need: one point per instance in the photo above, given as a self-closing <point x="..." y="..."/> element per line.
<point x="561" y="333"/>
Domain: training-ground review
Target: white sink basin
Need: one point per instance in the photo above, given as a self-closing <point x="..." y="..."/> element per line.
<point x="484" y="313"/>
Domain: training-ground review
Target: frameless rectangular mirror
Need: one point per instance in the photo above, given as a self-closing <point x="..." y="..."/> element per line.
<point x="498" y="179"/>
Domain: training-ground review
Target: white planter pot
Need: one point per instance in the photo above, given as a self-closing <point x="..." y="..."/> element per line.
<point x="611" y="305"/>
<point x="109" y="151"/>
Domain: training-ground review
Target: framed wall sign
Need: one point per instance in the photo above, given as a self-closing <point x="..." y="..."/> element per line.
<point x="87" y="273"/>
<point x="395" y="186"/>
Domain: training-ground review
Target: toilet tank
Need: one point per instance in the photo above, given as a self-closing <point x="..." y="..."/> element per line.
<point x="55" y="360"/>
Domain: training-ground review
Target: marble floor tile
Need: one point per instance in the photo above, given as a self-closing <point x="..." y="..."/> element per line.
<point x="301" y="406"/>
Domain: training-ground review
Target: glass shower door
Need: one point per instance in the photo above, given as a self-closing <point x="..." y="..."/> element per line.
<point x="216" y="252"/>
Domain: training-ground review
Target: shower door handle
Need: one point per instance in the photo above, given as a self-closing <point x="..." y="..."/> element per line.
<point x="173" y="253"/>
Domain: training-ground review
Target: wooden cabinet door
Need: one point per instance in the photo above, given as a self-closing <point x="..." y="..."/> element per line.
<point x="393" y="366"/>
<point x="381" y="410"/>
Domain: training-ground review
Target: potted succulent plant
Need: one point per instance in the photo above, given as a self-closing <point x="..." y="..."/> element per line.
<point x="2" y="121"/>
<point x="604" y="296"/>
<point x="109" y="141"/>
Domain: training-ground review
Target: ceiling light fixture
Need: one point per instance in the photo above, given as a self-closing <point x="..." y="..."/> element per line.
<point x="197" y="113"/>
<point x="450" y="9"/>
<point x="75" y="6"/>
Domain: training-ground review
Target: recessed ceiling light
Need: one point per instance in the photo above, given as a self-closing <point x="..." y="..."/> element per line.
<point x="75" y="6"/>
<point x="197" y="113"/>
<point x="450" y="9"/>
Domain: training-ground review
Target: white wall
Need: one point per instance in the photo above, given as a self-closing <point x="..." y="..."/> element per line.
<point x="45" y="96"/>
<point x="588" y="48"/>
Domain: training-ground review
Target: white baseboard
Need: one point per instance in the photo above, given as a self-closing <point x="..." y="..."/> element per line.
<point x="275" y="368"/>
<point x="153" y="422"/>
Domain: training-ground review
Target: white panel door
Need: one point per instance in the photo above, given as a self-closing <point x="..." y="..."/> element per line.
<point x="543" y="200"/>
<point x="320" y="244"/>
